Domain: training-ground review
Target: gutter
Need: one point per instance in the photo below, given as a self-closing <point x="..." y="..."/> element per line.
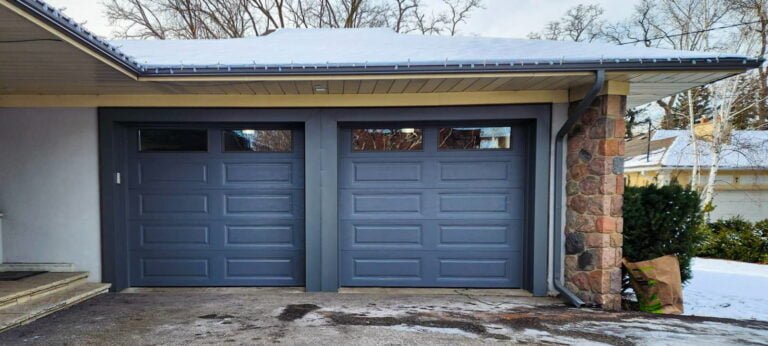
<point x="737" y="65"/>
<point x="573" y="117"/>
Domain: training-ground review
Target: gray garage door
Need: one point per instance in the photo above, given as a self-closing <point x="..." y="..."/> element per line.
<point x="215" y="206"/>
<point x="433" y="206"/>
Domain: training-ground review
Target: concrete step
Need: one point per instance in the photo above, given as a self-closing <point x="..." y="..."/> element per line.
<point x="33" y="267"/>
<point x="39" y="307"/>
<point x="21" y="291"/>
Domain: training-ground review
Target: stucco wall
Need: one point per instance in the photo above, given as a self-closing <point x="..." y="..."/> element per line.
<point x="49" y="187"/>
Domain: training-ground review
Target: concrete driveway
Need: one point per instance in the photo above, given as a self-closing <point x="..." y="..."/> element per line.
<point x="190" y="317"/>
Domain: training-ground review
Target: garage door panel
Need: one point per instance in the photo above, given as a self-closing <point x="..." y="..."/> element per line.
<point x="274" y="173"/>
<point x="265" y="235"/>
<point x="454" y="203"/>
<point x="384" y="233"/>
<point x="191" y="269"/>
<point x="480" y="204"/>
<point x="373" y="268"/>
<point x="429" y="269"/>
<point x="480" y="235"/>
<point x="171" y="236"/>
<point x="273" y="269"/>
<point x="446" y="235"/>
<point x="432" y="172"/>
<point x="433" y="217"/>
<point x="177" y="203"/>
<point x="228" y="216"/>
<point x="480" y="173"/>
<point x="264" y="203"/>
<point x="219" y="235"/>
<point x="179" y="173"/>
<point x="173" y="172"/>
<point x="472" y="269"/>
<point x="181" y="203"/>
<point x="377" y="171"/>
<point x="204" y="268"/>
<point x="381" y="203"/>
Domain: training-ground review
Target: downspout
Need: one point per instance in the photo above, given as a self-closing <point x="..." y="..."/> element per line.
<point x="573" y="117"/>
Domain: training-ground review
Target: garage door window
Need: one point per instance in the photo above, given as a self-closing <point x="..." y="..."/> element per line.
<point x="173" y="140"/>
<point x="474" y="138"/>
<point x="252" y="140"/>
<point x="402" y="139"/>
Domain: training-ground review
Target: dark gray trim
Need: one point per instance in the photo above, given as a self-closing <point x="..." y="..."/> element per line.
<point x="330" y="203"/>
<point x="540" y="202"/>
<point x="573" y="117"/>
<point x="313" y="138"/>
<point x="321" y="127"/>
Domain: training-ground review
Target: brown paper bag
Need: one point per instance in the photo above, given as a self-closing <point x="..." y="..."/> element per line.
<point x="657" y="284"/>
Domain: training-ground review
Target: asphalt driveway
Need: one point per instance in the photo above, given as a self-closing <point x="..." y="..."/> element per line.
<point x="192" y="317"/>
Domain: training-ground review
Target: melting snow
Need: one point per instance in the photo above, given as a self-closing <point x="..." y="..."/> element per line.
<point x="728" y="289"/>
<point x="311" y="47"/>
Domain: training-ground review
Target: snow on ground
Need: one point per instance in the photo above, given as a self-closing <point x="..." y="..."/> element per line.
<point x="728" y="289"/>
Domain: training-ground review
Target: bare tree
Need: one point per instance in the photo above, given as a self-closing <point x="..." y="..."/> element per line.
<point x="458" y="12"/>
<point x="580" y="23"/>
<point x="755" y="12"/>
<point x="195" y="19"/>
<point x="730" y="104"/>
<point x="676" y="24"/>
<point x="639" y="27"/>
<point x="696" y="25"/>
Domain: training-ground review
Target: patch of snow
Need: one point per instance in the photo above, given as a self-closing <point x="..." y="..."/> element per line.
<point x="645" y="160"/>
<point x="653" y="331"/>
<point x="727" y="289"/>
<point x="420" y="329"/>
<point x="746" y="150"/>
<point x="318" y="47"/>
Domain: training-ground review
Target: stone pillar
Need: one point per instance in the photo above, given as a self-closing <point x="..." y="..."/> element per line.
<point x="595" y="189"/>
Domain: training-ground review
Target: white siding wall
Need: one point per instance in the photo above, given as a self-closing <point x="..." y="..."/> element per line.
<point x="49" y="187"/>
<point x="752" y="205"/>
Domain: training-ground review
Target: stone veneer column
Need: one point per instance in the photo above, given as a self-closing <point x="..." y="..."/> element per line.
<point x="595" y="189"/>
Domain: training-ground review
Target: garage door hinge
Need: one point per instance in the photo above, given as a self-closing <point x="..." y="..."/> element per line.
<point x="118" y="178"/>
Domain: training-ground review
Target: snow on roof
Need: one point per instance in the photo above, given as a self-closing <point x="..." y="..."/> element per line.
<point x="384" y="47"/>
<point x="746" y="150"/>
<point x="375" y="51"/>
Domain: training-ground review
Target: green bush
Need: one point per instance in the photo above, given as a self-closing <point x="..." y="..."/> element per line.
<point x="662" y="221"/>
<point x="736" y="239"/>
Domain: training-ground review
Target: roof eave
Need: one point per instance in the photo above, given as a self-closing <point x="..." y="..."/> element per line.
<point x="73" y="30"/>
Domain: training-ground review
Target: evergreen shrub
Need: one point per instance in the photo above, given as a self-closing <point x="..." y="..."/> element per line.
<point x="659" y="221"/>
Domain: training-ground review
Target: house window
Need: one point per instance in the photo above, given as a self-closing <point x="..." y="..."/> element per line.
<point x="474" y="138"/>
<point x="171" y="140"/>
<point x="252" y="140"/>
<point x="401" y="139"/>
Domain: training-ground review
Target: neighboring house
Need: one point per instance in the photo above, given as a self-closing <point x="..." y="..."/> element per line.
<point x="323" y="158"/>
<point x="741" y="187"/>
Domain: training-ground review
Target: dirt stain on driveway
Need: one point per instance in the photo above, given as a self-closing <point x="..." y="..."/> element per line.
<point x="340" y="318"/>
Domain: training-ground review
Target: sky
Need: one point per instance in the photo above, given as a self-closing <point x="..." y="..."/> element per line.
<point x="499" y="18"/>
